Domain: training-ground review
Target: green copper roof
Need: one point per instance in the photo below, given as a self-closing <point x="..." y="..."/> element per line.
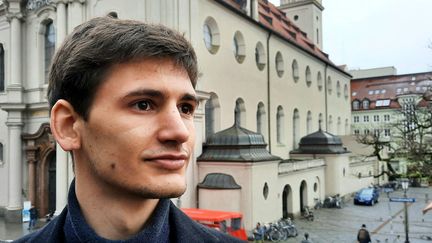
<point x="236" y="144"/>
<point x="219" y="181"/>
<point x="320" y="142"/>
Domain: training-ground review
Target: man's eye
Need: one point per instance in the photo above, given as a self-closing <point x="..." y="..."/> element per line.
<point x="144" y="105"/>
<point x="187" y="109"/>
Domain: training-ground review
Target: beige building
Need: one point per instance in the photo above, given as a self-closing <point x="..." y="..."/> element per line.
<point x="377" y="97"/>
<point x="257" y="66"/>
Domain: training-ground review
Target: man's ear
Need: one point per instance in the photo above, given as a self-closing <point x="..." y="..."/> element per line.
<point x="64" y="125"/>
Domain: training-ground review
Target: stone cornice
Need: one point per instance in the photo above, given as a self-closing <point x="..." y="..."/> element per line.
<point x="12" y="106"/>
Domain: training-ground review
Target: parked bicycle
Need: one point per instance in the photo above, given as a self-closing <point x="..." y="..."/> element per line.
<point x="307" y="214"/>
<point x="288" y="227"/>
<point x="333" y="201"/>
<point x="318" y="203"/>
<point x="280" y="230"/>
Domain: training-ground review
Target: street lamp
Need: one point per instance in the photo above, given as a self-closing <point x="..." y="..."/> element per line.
<point x="405" y="188"/>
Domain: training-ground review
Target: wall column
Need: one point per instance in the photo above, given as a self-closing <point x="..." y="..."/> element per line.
<point x="61" y="179"/>
<point x="61" y="23"/>
<point x="14" y="207"/>
<point x="14" y="108"/>
<point x="75" y="14"/>
<point x="14" y="86"/>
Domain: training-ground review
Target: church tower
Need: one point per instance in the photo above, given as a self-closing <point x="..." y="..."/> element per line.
<point x="307" y="15"/>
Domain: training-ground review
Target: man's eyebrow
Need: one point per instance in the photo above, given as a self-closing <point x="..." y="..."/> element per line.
<point x="158" y="94"/>
<point x="144" y="92"/>
<point x="190" y="97"/>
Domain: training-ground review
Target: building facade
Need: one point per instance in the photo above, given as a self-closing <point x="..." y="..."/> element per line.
<point x="257" y="67"/>
<point x="377" y="102"/>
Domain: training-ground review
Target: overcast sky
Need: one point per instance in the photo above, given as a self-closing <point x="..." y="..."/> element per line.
<point x="378" y="33"/>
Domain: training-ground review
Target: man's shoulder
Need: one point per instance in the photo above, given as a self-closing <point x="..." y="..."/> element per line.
<point x="187" y="230"/>
<point x="52" y="232"/>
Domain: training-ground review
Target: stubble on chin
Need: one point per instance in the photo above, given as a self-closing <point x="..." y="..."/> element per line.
<point x="124" y="188"/>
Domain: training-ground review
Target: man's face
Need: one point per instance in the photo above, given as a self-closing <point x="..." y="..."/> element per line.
<point x="139" y="136"/>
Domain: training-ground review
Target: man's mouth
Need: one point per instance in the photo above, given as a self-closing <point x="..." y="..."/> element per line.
<point x="168" y="161"/>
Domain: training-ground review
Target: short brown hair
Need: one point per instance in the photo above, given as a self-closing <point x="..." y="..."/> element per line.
<point x="85" y="57"/>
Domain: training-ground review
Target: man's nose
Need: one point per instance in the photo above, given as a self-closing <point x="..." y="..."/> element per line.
<point x="172" y="127"/>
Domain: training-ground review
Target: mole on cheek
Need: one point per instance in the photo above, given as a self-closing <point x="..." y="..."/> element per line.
<point x="113" y="166"/>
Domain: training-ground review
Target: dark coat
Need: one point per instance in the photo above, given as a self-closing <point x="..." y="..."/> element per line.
<point x="182" y="230"/>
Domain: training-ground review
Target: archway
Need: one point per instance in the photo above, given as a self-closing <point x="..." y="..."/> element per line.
<point x="41" y="159"/>
<point x="303" y="195"/>
<point x="287" y="202"/>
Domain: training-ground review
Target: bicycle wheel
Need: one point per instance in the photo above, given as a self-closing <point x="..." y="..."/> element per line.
<point x="285" y="234"/>
<point x="292" y="232"/>
<point x="275" y="236"/>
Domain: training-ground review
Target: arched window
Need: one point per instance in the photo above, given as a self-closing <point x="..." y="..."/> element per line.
<point x="339" y="126"/>
<point x="280" y="125"/>
<point x="365" y="104"/>
<point x="279" y="64"/>
<point x="309" y="122"/>
<point x="260" y="56"/>
<point x="295" y="71"/>
<point x="261" y="120"/>
<point x="320" y="121"/>
<point x="329" y="85"/>
<point x="2" y="68"/>
<point x="240" y="113"/>
<point x="338" y="89"/>
<point x="330" y="124"/>
<point x="356" y="105"/>
<point x="308" y="76"/>
<point x="319" y="81"/>
<point x="49" y="40"/>
<point x="212" y="110"/>
<point x="239" y="47"/>
<point x="296" y="128"/>
<point x="1" y="153"/>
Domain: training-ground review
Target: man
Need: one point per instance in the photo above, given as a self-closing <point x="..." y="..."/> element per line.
<point x="363" y="235"/>
<point x="258" y="233"/>
<point x="33" y="217"/>
<point x="122" y="102"/>
<point x="306" y="239"/>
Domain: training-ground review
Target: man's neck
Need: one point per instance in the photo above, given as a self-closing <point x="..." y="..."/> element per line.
<point x="111" y="214"/>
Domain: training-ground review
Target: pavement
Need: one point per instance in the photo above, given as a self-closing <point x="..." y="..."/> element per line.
<point x="342" y="225"/>
<point x="13" y="231"/>
<point x="384" y="220"/>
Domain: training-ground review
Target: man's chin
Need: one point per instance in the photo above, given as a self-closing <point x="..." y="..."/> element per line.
<point x="162" y="193"/>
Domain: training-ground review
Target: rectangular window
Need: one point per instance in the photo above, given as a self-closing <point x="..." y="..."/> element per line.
<point x="386" y="117"/>
<point x="356" y="132"/>
<point x="376" y="132"/>
<point x="387" y="132"/>
<point x="365" y="118"/>
<point x="356" y="119"/>
<point x="376" y="118"/>
<point x="366" y="131"/>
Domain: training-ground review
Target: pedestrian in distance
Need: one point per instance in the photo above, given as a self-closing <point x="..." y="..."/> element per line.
<point x="306" y="238"/>
<point x="258" y="233"/>
<point x="363" y="235"/>
<point x="33" y="217"/>
<point x="122" y="101"/>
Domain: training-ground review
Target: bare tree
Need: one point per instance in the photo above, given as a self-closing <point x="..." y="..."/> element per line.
<point x="379" y="145"/>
